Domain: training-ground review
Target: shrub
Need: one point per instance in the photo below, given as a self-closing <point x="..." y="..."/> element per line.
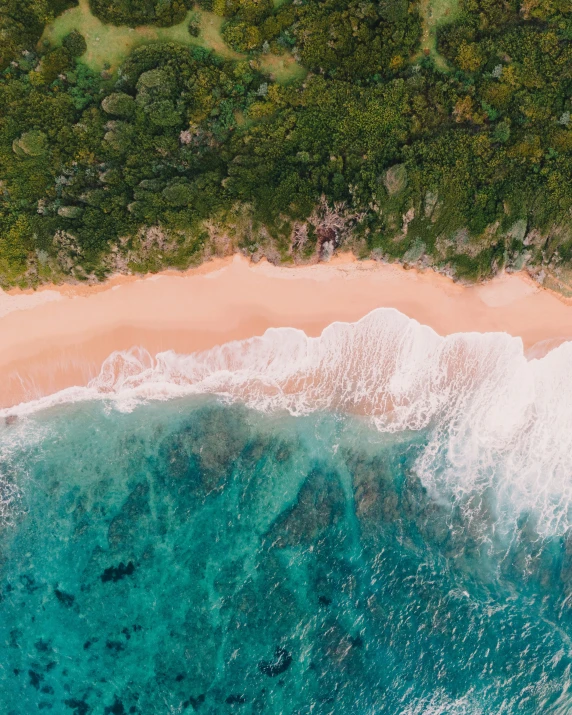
<point x="178" y="194"/>
<point x="75" y="43"/>
<point x="32" y="143"/>
<point x="195" y="25"/>
<point x="119" y="104"/>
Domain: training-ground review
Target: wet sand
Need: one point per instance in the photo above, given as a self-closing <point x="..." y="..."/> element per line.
<point x="59" y="336"/>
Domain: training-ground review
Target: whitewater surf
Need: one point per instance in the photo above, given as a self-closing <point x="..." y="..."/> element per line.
<point x="376" y="520"/>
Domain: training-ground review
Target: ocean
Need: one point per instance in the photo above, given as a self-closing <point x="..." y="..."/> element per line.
<point x="377" y="521"/>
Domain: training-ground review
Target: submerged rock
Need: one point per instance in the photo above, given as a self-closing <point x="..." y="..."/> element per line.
<point x="35" y="679"/>
<point x="116" y="708"/>
<point x="319" y="505"/>
<point x="66" y="599"/>
<point x="202" y="455"/>
<point x="126" y="525"/>
<point x="235" y="700"/>
<point x="80" y="707"/>
<point x="195" y="703"/>
<point x="281" y="662"/>
<point x="116" y="646"/>
<point x="375" y="497"/>
<point x="116" y="573"/>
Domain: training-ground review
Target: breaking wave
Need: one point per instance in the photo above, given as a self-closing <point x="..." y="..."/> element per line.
<point x="494" y="418"/>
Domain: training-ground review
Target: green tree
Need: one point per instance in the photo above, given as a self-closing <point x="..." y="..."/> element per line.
<point x="75" y="43"/>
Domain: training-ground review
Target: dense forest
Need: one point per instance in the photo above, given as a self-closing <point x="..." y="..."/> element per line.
<point x="457" y="156"/>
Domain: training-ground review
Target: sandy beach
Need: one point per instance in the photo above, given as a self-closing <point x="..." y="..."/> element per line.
<point x="59" y="337"/>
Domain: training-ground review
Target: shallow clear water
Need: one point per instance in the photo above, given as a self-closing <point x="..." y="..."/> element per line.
<point x="199" y="556"/>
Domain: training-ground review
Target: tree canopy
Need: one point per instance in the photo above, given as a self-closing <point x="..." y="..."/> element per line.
<point x="465" y="166"/>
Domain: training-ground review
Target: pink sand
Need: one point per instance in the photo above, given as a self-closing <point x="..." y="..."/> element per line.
<point x="52" y="342"/>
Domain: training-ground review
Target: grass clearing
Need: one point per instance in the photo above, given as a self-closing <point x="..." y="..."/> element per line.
<point x="436" y="13"/>
<point x="283" y="68"/>
<point x="109" y="45"/>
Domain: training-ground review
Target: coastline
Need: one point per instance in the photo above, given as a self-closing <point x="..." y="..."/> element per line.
<point x="59" y="336"/>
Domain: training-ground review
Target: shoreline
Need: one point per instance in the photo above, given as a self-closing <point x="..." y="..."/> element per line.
<point x="59" y="336"/>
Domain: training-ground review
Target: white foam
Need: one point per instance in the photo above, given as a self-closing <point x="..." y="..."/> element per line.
<point x="440" y="704"/>
<point x="496" y="418"/>
<point x="11" y="441"/>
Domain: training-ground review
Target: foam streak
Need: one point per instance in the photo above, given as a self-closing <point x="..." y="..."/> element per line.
<point x="495" y="418"/>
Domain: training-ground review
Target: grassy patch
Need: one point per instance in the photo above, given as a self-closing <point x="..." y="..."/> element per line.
<point x="210" y="37"/>
<point x="108" y="46"/>
<point x="283" y="68"/>
<point x="436" y="13"/>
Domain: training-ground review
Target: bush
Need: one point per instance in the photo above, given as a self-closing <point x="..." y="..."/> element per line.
<point x="119" y="104"/>
<point x="179" y="194"/>
<point x="195" y="25"/>
<point x="141" y="12"/>
<point x="32" y="143"/>
<point x="185" y="135"/>
<point x="75" y="43"/>
<point x="242" y="37"/>
<point x="163" y="113"/>
<point x="54" y="64"/>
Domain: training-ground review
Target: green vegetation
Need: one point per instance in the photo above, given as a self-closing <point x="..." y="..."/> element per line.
<point x="436" y="14"/>
<point x="75" y="43"/>
<point x="436" y="133"/>
<point x="162" y="13"/>
<point x="106" y="46"/>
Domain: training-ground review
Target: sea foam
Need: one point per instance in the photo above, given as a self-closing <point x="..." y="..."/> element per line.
<point x="495" y="419"/>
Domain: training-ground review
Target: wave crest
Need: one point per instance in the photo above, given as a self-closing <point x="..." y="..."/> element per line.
<point x="386" y="366"/>
<point x="493" y="417"/>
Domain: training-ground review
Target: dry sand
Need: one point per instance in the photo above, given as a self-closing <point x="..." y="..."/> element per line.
<point x="59" y="336"/>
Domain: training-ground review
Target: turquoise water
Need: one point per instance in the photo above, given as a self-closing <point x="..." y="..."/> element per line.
<point x="200" y="556"/>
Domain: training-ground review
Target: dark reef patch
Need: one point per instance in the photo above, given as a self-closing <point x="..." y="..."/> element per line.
<point x="237" y="562"/>
<point x="116" y="708"/>
<point x="116" y="573"/>
<point x="66" y="599"/>
<point x="195" y="703"/>
<point x="116" y="646"/>
<point x="279" y="664"/>
<point x="29" y="583"/>
<point x="80" y="707"/>
<point x="235" y="700"/>
<point x="319" y="506"/>
<point x="35" y="679"/>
